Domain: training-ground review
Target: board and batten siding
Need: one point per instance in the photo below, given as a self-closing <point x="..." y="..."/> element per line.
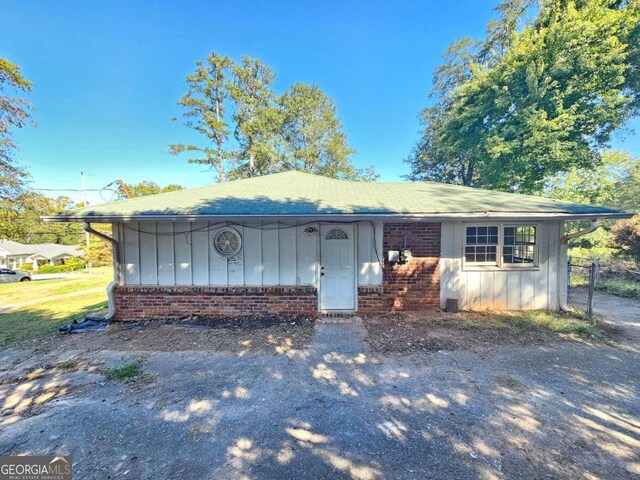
<point x="181" y="253"/>
<point x="501" y="289"/>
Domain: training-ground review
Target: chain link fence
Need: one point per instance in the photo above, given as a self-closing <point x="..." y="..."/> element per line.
<point x="583" y="276"/>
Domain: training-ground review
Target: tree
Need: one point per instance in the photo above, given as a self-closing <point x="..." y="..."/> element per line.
<point x="606" y="184"/>
<point x="98" y="252"/>
<point x="627" y="235"/>
<point x="313" y="136"/>
<point x="257" y="119"/>
<point x="296" y="130"/>
<point x="14" y="113"/>
<point x="529" y="102"/>
<point x="20" y="220"/>
<point x="146" y="187"/>
<point x="629" y="190"/>
<point x="204" y="101"/>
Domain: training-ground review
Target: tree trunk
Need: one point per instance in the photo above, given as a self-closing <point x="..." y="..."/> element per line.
<point x="467" y="178"/>
<point x="219" y="144"/>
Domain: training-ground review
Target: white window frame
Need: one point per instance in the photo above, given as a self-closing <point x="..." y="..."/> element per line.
<point x="497" y="245"/>
<point x="499" y="264"/>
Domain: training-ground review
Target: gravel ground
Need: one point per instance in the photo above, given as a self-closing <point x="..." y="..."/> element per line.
<point x="294" y="399"/>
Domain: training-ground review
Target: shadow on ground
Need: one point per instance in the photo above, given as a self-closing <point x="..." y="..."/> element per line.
<point x="325" y="404"/>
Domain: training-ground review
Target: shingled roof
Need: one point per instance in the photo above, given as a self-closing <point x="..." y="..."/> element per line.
<point x="302" y="194"/>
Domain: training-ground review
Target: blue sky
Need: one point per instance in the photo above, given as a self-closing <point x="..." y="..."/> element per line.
<point x="108" y="75"/>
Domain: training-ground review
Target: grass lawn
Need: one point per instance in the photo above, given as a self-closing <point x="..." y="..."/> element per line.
<point x="515" y="323"/>
<point x="62" y="301"/>
<point x="620" y="287"/>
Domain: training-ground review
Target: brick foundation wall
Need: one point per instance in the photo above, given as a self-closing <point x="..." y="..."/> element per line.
<point x="415" y="284"/>
<point x="154" y="302"/>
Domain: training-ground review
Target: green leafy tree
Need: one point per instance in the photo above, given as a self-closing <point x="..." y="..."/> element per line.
<point x="629" y="190"/>
<point x="606" y="184"/>
<point x="540" y="95"/>
<point x="14" y="113"/>
<point x="146" y="187"/>
<point x="97" y="252"/>
<point x="257" y="119"/>
<point x="627" y="235"/>
<point x="204" y="104"/>
<point x="20" y="220"/>
<point x="313" y="136"/>
<point x="296" y="130"/>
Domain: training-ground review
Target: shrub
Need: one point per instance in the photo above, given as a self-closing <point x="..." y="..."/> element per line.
<point x="26" y="266"/>
<point x="76" y="263"/>
<point x="47" y="269"/>
<point x="627" y="234"/>
<point x="72" y="265"/>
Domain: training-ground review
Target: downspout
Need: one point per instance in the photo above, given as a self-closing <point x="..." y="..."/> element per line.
<point x="116" y="267"/>
<point x="564" y="240"/>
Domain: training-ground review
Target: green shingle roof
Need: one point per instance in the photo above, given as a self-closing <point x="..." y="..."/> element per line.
<point x="296" y="193"/>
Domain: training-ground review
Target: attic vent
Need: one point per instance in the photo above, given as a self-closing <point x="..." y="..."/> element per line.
<point x="227" y="242"/>
<point x="337" y="234"/>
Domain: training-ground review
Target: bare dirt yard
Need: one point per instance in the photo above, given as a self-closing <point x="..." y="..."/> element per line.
<point x="393" y="396"/>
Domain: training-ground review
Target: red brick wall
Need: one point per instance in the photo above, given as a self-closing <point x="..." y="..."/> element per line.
<point x="145" y="302"/>
<point x="415" y="284"/>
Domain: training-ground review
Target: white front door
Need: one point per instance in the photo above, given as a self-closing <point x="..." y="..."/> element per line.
<point x="337" y="267"/>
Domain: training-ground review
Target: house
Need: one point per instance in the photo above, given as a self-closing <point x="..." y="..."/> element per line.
<point x="300" y="243"/>
<point x="14" y="254"/>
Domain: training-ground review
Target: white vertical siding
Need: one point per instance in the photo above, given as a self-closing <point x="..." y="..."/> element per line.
<point x="270" y="256"/>
<point x="200" y="253"/>
<point x="515" y="289"/>
<point x="218" y="268"/>
<point x="131" y="254"/>
<point x="148" y="254"/>
<point x="555" y="233"/>
<point x="287" y="254"/>
<point x="235" y="265"/>
<point x="252" y="248"/>
<point x="307" y="256"/>
<point x="369" y="236"/>
<point x="181" y="253"/>
<point x="166" y="256"/>
<point x="182" y="249"/>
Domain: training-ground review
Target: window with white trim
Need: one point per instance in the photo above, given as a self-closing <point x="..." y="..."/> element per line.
<point x="519" y="244"/>
<point x="482" y="245"/>
<point x="508" y="246"/>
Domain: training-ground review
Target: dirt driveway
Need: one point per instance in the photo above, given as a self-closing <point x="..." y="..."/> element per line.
<point x="294" y="399"/>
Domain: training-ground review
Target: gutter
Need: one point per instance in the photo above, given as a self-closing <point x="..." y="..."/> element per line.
<point x="407" y="217"/>
<point x="564" y="240"/>
<point x="86" y="226"/>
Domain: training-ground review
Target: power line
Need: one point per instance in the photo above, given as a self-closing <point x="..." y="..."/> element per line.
<point x="62" y="167"/>
<point x="68" y="189"/>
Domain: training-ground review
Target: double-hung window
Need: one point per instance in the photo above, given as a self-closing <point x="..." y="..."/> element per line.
<point x="482" y="245"/>
<point x="502" y="246"/>
<point x="519" y="245"/>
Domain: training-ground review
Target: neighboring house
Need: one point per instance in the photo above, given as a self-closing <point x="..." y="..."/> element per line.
<point x="299" y="243"/>
<point x="14" y="254"/>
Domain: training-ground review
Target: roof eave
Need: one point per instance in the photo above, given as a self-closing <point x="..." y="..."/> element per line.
<point x="532" y="216"/>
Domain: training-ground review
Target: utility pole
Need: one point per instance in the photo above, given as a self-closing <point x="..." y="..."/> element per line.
<point x="123" y="187"/>
<point x="84" y="190"/>
<point x="87" y="237"/>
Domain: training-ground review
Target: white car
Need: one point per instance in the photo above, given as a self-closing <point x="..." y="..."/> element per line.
<point x="9" y="276"/>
